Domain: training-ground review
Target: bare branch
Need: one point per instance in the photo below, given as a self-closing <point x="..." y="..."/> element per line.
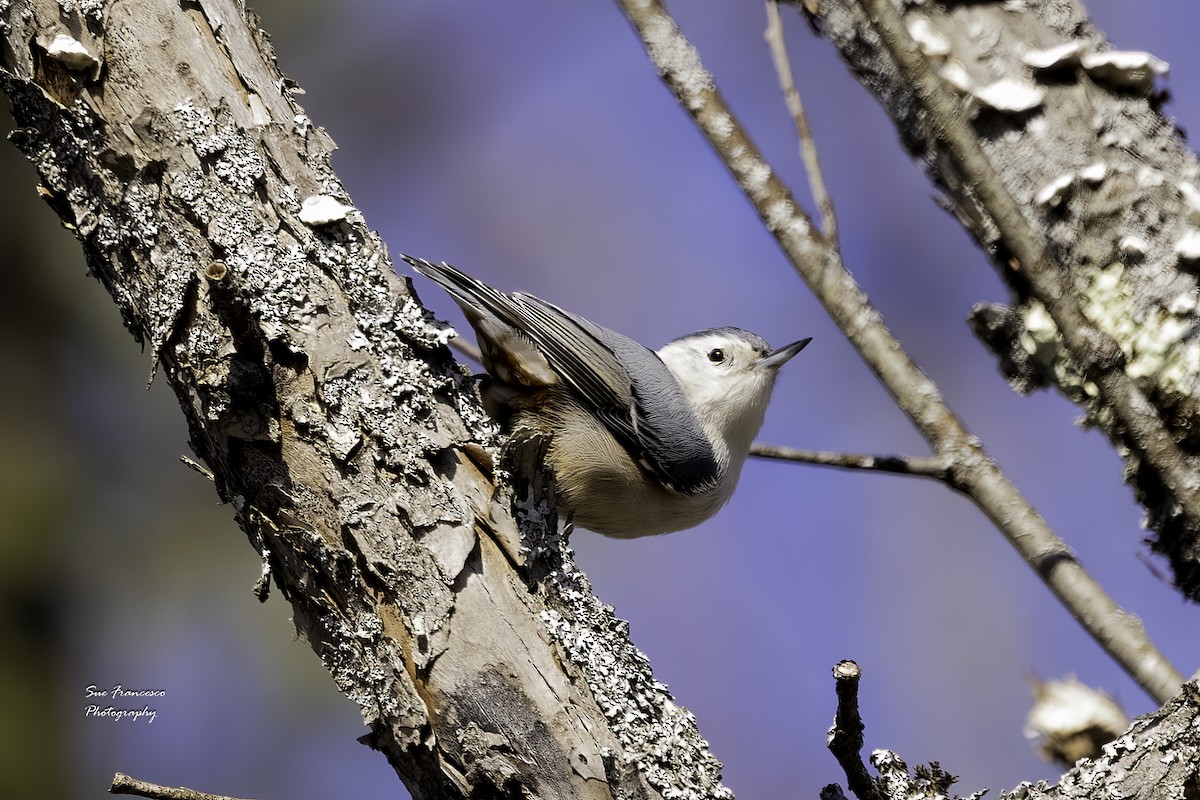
<point x="973" y="472"/>
<point x="845" y="739"/>
<point x="123" y="784"/>
<point x="917" y="466"/>
<point x="466" y="349"/>
<point x="808" y="146"/>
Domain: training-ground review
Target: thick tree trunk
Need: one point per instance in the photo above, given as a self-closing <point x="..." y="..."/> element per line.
<point x="1051" y="150"/>
<point x="329" y="413"/>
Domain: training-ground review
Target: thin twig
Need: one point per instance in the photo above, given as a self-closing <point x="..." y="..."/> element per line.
<point x="846" y="736"/>
<point x="820" y="265"/>
<point x="123" y="784"/>
<point x="466" y="349"/>
<point x="195" y="465"/>
<point x="808" y="145"/>
<point x="917" y="466"/>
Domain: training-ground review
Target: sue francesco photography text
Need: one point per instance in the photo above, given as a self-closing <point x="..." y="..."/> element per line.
<point x="116" y="703"/>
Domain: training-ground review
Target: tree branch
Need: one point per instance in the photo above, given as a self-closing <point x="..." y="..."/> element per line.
<point x="927" y="467"/>
<point x="846" y="736"/>
<point x="808" y="147"/>
<point x="820" y="265"/>
<point x="123" y="784"/>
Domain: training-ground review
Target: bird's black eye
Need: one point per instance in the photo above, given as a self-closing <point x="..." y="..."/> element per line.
<point x="716" y="355"/>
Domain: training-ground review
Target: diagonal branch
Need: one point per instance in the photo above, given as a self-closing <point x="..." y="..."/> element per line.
<point x="973" y="472"/>
<point x="123" y="784"/>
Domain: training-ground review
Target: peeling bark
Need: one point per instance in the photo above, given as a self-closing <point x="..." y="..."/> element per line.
<point x="351" y="448"/>
<point x="1076" y="138"/>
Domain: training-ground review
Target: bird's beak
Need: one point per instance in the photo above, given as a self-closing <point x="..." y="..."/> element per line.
<point x="778" y="358"/>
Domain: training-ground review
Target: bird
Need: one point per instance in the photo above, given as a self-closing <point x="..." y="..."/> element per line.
<point x="641" y="442"/>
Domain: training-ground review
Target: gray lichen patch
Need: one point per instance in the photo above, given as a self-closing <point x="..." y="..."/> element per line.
<point x="657" y="736"/>
<point x="92" y="9"/>
<point x="1158" y="344"/>
<point x="1042" y="341"/>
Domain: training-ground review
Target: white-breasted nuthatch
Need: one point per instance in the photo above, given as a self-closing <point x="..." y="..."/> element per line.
<point x="641" y="443"/>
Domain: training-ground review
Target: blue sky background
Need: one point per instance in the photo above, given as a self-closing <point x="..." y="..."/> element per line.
<point x="531" y="144"/>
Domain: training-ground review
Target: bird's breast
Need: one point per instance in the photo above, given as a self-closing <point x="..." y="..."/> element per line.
<point x="605" y="490"/>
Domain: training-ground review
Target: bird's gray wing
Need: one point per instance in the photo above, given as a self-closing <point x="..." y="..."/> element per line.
<point x="627" y="385"/>
<point x="632" y="391"/>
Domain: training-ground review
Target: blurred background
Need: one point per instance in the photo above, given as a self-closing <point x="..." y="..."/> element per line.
<point x="531" y="144"/>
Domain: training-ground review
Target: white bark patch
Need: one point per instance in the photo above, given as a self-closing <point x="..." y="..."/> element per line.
<point x="1126" y="69"/>
<point x="1058" y="57"/>
<point x="321" y="209"/>
<point x="1157" y="344"/>
<point x="1053" y="193"/>
<point x="931" y="42"/>
<point x="1187" y="246"/>
<point x="1010" y="95"/>
<point x="70" y="51"/>
<point x="678" y="61"/>
<point x="1134" y="246"/>
<point x="1094" y="173"/>
<point x="955" y="74"/>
